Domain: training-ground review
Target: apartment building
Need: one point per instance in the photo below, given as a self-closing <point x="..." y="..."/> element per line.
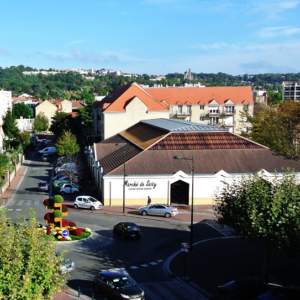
<point x="218" y="106"/>
<point x="291" y="90"/>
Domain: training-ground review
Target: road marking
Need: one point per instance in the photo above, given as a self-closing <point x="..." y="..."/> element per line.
<point x="18" y="209"/>
<point x="144" y="266"/>
<point x="153" y="263"/>
<point x="134" y="267"/>
<point x="9" y="209"/>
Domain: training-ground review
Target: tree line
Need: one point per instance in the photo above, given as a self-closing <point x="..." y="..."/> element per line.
<point x="74" y="86"/>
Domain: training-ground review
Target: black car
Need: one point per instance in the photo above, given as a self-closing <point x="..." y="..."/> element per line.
<point x="115" y="285"/>
<point x="127" y="230"/>
<point x="246" y="289"/>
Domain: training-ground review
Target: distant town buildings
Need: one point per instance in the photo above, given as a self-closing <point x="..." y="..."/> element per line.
<point x="291" y="90"/>
<point x="188" y="75"/>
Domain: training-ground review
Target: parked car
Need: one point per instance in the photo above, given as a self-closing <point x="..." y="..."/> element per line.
<point x="246" y="289"/>
<point x="87" y="202"/>
<point x="280" y="293"/>
<point x="66" y="167"/>
<point x="67" y="265"/>
<point x="42" y="186"/>
<point x="59" y="184"/>
<point x="75" y="179"/>
<point x="44" y="143"/>
<point x="48" y="150"/>
<point x="115" y="285"/>
<point x="158" y="210"/>
<point x="66" y="188"/>
<point x="127" y="230"/>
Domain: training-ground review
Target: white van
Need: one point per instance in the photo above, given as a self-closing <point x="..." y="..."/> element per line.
<point x="48" y="150"/>
<point x="66" y="167"/>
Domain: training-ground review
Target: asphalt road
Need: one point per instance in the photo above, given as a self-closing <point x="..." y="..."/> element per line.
<point x="144" y="259"/>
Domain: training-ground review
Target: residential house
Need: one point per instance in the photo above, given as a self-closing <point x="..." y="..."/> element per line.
<point x="144" y="160"/>
<point x="124" y="107"/>
<point x="49" y="107"/>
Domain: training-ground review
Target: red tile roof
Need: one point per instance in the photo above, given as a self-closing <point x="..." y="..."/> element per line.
<point x="76" y="104"/>
<point x="199" y="95"/>
<point x="123" y="95"/>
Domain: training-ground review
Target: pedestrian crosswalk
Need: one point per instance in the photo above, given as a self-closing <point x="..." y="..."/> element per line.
<point x="25" y="202"/>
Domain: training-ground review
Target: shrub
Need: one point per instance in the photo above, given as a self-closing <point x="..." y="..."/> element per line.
<point x="58" y="199"/>
<point x="65" y="223"/>
<point x="72" y="224"/>
<point x="48" y="216"/>
<point x="76" y="232"/>
<point x="64" y="208"/>
<point x="57" y="214"/>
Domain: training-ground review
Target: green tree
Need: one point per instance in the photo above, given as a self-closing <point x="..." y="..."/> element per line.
<point x="4" y="160"/>
<point x="22" y="110"/>
<point x="67" y="146"/>
<point x="9" y="126"/>
<point x="29" y="267"/>
<point x="277" y="127"/>
<point x="58" y="124"/>
<point x="264" y="211"/>
<point x="40" y="122"/>
<point x="84" y="117"/>
<point x="274" y="97"/>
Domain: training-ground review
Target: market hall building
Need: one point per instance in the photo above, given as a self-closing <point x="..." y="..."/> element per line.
<point x="164" y="158"/>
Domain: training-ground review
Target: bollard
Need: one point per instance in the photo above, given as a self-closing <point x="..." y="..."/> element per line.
<point x="79" y="291"/>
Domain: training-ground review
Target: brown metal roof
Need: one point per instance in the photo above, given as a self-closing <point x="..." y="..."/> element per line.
<point x="112" y="152"/>
<point x="204" y="140"/>
<point x="207" y="162"/>
<point x="143" y="135"/>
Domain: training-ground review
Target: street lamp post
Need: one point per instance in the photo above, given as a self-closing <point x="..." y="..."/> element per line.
<point x="124" y="173"/>
<point x="192" y="204"/>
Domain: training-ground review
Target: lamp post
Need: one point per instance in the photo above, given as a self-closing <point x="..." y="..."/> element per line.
<point x="124" y="173"/>
<point x="192" y="206"/>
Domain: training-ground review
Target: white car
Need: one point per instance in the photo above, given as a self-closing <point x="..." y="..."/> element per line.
<point x="68" y="189"/>
<point x="87" y="202"/>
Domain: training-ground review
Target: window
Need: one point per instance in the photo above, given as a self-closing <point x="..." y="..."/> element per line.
<point x="188" y="109"/>
<point x="213" y="121"/>
<point x="201" y="107"/>
<point x="246" y="107"/>
<point x="179" y="110"/>
<point x="214" y="110"/>
<point x="229" y="109"/>
<point x="201" y="119"/>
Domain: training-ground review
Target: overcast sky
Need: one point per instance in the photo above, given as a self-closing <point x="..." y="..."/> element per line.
<point x="155" y="37"/>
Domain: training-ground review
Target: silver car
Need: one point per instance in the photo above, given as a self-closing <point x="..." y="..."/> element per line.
<point x="159" y="209"/>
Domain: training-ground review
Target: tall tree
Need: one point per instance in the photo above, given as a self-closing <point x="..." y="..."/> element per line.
<point x="22" y="110"/>
<point x="40" y="122"/>
<point x="9" y="126"/>
<point x="265" y="211"/>
<point x="29" y="267"/>
<point x="277" y="127"/>
<point x="58" y="124"/>
<point x="66" y="145"/>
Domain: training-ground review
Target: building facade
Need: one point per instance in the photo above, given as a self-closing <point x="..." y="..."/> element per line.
<point x="217" y="106"/>
<point x="291" y="90"/>
<point x="165" y="158"/>
<point x="124" y="107"/>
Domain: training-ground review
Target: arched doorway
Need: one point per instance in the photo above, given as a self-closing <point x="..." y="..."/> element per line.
<point x="180" y="193"/>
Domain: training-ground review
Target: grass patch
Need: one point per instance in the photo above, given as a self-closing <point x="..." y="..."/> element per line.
<point x="83" y="236"/>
